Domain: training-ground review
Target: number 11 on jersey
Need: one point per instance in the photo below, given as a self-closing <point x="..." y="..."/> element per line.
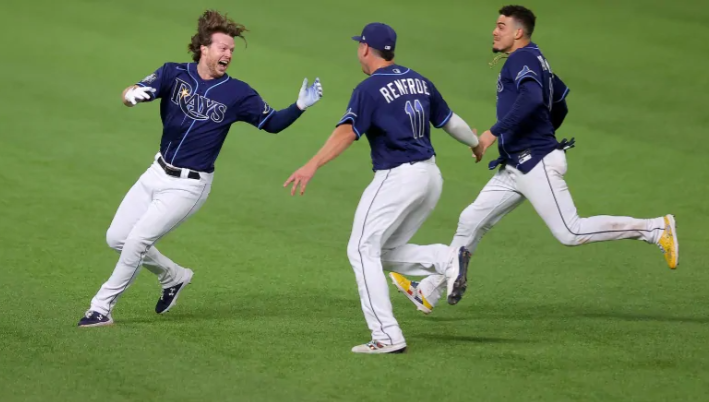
<point x="417" y="116"/>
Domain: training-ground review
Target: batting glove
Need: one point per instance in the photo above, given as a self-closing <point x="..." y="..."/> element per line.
<point x="138" y="94"/>
<point x="309" y="95"/>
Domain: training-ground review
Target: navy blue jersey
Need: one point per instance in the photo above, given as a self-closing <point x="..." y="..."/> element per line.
<point x="395" y="107"/>
<point x="197" y="114"/>
<point x="531" y="137"/>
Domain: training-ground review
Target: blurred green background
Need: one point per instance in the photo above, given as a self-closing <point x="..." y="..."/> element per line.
<point x="273" y="309"/>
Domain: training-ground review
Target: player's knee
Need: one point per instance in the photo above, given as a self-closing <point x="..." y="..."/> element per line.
<point x="115" y="239"/>
<point x="567" y="238"/>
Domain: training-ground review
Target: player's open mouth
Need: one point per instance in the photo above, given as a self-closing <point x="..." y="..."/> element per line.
<point x="224" y="63"/>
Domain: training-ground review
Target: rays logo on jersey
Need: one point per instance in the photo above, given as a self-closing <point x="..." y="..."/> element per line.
<point x="196" y="106"/>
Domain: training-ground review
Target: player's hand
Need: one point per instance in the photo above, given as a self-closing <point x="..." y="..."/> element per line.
<point x="301" y="176"/>
<point x="478" y="152"/>
<point x="138" y="94"/>
<point x="309" y="95"/>
<point x="486" y="139"/>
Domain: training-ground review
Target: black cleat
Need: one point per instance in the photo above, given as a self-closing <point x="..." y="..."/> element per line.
<point x="168" y="298"/>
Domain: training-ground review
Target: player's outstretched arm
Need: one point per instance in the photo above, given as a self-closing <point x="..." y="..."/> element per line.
<point x="135" y="93"/>
<point x="339" y="141"/>
<point x="282" y="119"/>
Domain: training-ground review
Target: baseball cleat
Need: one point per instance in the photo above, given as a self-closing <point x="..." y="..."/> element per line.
<point x="375" y="347"/>
<point x="410" y="289"/>
<point x="668" y="242"/>
<point x="169" y="296"/>
<point x="457" y="275"/>
<point x="94" y="319"/>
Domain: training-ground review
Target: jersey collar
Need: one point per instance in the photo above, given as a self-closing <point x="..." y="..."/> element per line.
<point x="394" y="69"/>
<point x="192" y="69"/>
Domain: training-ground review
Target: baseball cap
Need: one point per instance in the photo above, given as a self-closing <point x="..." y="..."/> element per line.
<point x="378" y="36"/>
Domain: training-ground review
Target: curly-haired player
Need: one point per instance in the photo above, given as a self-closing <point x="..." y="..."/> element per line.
<point x="198" y="104"/>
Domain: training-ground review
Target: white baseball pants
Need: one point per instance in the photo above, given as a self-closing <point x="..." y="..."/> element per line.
<point x="154" y="206"/>
<point x="392" y="208"/>
<point x="545" y="188"/>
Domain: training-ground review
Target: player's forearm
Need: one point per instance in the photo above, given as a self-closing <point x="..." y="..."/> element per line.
<point x="460" y="130"/>
<point x="529" y="99"/>
<point x="341" y="139"/>
<point x="282" y="119"/>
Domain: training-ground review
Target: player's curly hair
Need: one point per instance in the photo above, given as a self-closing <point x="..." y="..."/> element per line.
<point x="523" y="15"/>
<point x="210" y="23"/>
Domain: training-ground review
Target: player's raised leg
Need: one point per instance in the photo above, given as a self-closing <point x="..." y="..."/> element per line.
<point x="174" y="201"/>
<point x="496" y="199"/>
<point x="548" y="192"/>
<point x="399" y="257"/>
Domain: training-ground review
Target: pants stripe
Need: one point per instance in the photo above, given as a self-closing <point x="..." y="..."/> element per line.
<point x="359" y="250"/>
<point x="558" y="208"/>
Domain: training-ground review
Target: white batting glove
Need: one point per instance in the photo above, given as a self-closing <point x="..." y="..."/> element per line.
<point x="309" y="95"/>
<point x="138" y="94"/>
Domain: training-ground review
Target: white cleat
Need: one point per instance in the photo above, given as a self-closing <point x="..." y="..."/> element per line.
<point x="375" y="347"/>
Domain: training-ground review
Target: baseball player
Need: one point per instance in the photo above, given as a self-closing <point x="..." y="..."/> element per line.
<point x="393" y="107"/>
<point x="198" y="104"/>
<point x="531" y="106"/>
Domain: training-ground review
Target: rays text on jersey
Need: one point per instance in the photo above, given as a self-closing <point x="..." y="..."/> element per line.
<point x="196" y="106"/>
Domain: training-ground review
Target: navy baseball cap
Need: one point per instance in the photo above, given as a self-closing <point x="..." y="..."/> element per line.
<point x="378" y="36"/>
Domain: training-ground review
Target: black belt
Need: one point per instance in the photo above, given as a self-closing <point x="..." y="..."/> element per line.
<point x="171" y="171"/>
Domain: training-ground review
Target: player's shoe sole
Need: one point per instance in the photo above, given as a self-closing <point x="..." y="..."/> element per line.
<point x="668" y="242"/>
<point x="378" y="348"/>
<point x="169" y="296"/>
<point x="461" y="281"/>
<point x="411" y="291"/>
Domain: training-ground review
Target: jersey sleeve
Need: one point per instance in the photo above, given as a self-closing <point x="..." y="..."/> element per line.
<point x="560" y="89"/>
<point x="524" y="65"/>
<point x="252" y="108"/>
<point x="440" y="112"/>
<point x="360" y="112"/>
<point x="159" y="80"/>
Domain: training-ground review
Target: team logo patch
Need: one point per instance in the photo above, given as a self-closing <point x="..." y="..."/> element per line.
<point x="266" y="108"/>
<point x="525" y="71"/>
<point x="152" y="77"/>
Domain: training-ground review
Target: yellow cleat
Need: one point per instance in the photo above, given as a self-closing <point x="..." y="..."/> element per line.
<point x="410" y="290"/>
<point x="668" y="242"/>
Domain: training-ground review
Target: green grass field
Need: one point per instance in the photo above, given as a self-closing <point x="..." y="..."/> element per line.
<point x="273" y="309"/>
